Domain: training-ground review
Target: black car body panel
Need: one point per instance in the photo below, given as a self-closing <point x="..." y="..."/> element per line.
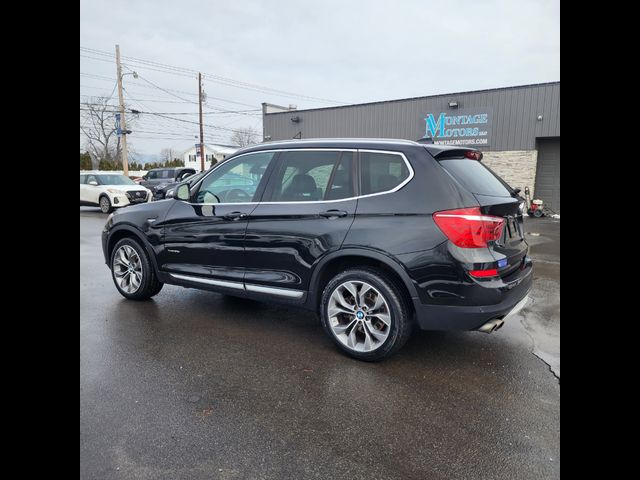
<point x="280" y="250"/>
<point x="283" y="243"/>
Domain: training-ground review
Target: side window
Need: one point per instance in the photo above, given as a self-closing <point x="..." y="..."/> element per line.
<point x="82" y="179"/>
<point x="152" y="175"/>
<point x="381" y="172"/>
<point x="92" y="178"/>
<point x="235" y="181"/>
<point x="307" y="176"/>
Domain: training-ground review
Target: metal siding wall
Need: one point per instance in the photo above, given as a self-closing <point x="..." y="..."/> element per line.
<point x="514" y="117"/>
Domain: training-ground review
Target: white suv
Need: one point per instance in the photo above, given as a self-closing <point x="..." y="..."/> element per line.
<point x="111" y="190"/>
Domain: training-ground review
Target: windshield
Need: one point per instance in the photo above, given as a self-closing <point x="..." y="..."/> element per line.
<point x="115" y="180"/>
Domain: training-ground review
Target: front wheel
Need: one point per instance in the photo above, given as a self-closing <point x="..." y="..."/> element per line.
<point x="132" y="271"/>
<point x="105" y="204"/>
<point x="365" y="314"/>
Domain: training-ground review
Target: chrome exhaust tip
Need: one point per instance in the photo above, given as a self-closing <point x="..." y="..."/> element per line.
<point x="491" y="325"/>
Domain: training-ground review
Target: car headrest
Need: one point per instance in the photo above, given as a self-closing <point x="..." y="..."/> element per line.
<point x="302" y="184"/>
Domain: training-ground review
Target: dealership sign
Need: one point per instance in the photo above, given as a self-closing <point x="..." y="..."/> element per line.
<point x="464" y="127"/>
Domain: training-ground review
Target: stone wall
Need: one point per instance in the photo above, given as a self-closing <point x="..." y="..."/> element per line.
<point x="517" y="168"/>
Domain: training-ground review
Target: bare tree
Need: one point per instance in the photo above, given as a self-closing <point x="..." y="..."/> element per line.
<point x="98" y="125"/>
<point x="244" y="137"/>
<point x="168" y="154"/>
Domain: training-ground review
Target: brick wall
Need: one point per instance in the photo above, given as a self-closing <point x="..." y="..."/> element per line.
<point x="517" y="168"/>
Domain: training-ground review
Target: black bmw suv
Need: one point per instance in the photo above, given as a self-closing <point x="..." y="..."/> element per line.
<point x="376" y="236"/>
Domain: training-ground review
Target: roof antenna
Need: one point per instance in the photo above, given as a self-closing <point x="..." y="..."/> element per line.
<point x="425" y="140"/>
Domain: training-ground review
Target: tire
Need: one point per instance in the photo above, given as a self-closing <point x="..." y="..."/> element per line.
<point x="105" y="204"/>
<point x="124" y="254"/>
<point x="348" y="331"/>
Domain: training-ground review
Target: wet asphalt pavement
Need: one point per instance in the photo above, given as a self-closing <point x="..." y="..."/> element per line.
<point x="196" y="385"/>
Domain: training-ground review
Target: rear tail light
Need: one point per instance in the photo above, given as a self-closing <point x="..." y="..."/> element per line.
<point x="492" y="272"/>
<point x="468" y="227"/>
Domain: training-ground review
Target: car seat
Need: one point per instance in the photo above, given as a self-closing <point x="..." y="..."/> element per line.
<point x="303" y="187"/>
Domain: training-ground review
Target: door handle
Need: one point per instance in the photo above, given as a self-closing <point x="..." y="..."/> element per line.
<point x="235" y="215"/>
<point x="333" y="214"/>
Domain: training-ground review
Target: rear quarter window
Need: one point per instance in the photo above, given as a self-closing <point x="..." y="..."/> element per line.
<point x="476" y="177"/>
<point x="381" y="172"/>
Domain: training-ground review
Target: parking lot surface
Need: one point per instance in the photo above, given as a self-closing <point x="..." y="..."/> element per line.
<point x="195" y="385"/>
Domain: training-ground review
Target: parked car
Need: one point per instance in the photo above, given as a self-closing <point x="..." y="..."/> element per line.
<point x="161" y="191"/>
<point x="374" y="236"/>
<point x="170" y="189"/>
<point x="109" y="191"/>
<point x="135" y="178"/>
<point x="160" y="177"/>
<point x="221" y="190"/>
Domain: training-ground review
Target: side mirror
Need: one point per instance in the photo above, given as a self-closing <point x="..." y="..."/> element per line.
<point x="94" y="183"/>
<point x="516" y="191"/>
<point x="182" y="192"/>
<point x="144" y="177"/>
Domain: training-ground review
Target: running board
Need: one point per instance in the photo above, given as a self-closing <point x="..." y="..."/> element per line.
<point x="281" y="292"/>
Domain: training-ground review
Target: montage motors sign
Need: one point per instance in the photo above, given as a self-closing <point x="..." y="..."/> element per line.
<point x="464" y="127"/>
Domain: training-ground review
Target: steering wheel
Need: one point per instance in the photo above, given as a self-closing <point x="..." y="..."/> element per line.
<point x="237" y="195"/>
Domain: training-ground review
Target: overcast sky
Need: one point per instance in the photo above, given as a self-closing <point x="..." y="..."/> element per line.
<point x="334" y="51"/>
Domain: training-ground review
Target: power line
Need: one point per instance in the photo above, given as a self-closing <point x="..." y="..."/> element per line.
<point x="169" y="89"/>
<point x="188" y="72"/>
<point x="100" y="77"/>
<point x="165" y="90"/>
<point x="223" y="112"/>
<point x="162" y="121"/>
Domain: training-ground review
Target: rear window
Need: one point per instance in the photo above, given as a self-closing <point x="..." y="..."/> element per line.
<point x="475" y="177"/>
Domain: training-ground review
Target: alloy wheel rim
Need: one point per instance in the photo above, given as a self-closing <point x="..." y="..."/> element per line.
<point x="127" y="269"/>
<point x="104" y="204"/>
<point x="359" y="316"/>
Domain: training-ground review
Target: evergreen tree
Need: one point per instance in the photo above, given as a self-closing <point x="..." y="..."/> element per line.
<point x="85" y="161"/>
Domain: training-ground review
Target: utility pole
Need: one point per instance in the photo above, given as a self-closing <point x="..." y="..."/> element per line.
<point x="202" y="157"/>
<point x="123" y="123"/>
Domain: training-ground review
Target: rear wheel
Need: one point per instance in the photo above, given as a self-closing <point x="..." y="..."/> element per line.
<point x="132" y="271"/>
<point x="105" y="204"/>
<point x="365" y="314"/>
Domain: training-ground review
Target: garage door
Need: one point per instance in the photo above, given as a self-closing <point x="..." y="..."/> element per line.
<point x="548" y="173"/>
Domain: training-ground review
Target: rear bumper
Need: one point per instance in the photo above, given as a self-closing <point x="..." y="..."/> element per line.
<point x="449" y="317"/>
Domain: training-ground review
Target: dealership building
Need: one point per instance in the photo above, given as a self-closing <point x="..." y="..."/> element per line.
<point x="517" y="128"/>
